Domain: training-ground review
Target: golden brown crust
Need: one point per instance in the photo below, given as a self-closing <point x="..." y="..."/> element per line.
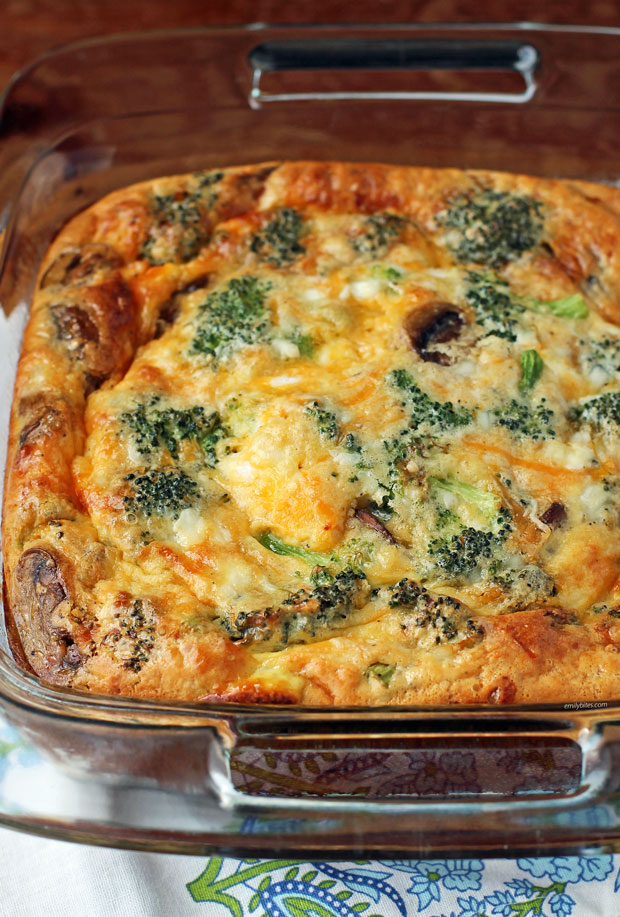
<point x="528" y="657"/>
<point x="78" y="594"/>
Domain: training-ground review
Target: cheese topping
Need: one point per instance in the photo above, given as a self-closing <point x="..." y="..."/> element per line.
<point x="355" y="435"/>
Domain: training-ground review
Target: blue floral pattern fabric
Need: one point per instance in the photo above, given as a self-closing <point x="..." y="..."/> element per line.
<point x="555" y="886"/>
<point x="14" y="751"/>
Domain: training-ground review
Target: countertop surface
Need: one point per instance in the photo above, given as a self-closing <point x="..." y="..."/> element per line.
<point x="29" y="27"/>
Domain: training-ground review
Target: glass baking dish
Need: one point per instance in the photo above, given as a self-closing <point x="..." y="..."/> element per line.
<point x="192" y="778"/>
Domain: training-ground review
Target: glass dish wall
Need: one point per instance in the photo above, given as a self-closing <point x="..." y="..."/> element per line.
<point x="103" y="113"/>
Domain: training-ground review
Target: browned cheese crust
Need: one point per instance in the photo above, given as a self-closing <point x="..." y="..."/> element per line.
<point x="323" y="433"/>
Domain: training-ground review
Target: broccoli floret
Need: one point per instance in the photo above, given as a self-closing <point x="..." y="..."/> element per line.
<point x="176" y="208"/>
<point x="209" y="431"/>
<point x="355" y="553"/>
<point x="351" y="443"/>
<point x="180" y="228"/>
<point x="531" y="421"/>
<point x="159" y="492"/>
<point x="492" y="227"/>
<point x="527" y="586"/>
<point x="232" y="317"/>
<point x="156" y="428"/>
<point x="335" y="590"/>
<point x="496" y="309"/>
<point x="446" y="518"/>
<point x="137" y="629"/>
<point x="408" y="594"/>
<point x="278" y="241"/>
<point x="398" y="451"/>
<point x="420" y="608"/>
<point x="178" y="231"/>
<point x="328" y="426"/>
<point x="423" y="410"/>
<point x="380" y="230"/>
<point x="471" y="548"/>
<point x="462" y="553"/>
<point x="204" y="186"/>
<point x="602" y="411"/>
<point x="600" y="353"/>
<point x="311" y="611"/>
<point x="427" y="419"/>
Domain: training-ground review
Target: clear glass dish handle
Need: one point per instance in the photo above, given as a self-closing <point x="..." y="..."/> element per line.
<point x="393" y="54"/>
<point x="419" y="759"/>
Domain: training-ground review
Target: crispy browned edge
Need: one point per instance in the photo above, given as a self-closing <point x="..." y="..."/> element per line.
<point x="45" y="578"/>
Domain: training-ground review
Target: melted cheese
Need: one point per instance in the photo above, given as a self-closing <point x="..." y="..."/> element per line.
<point x="332" y="440"/>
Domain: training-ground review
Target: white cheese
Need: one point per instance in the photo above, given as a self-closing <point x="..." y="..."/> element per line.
<point x="574" y="455"/>
<point x="235" y="468"/>
<point x="190" y="528"/>
<point x="366" y="289"/>
<point x="285" y="349"/>
<point x="280" y="381"/>
<point x="527" y="337"/>
<point x="463" y="368"/>
<point x="598" y="376"/>
<point x="485" y="420"/>
<point x="593" y="499"/>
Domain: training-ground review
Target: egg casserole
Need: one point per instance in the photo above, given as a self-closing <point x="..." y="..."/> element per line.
<point x="323" y="433"/>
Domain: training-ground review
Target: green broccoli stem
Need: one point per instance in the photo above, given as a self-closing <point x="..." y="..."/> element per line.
<point x="486" y="501"/>
<point x="532" y="366"/>
<point x="572" y="306"/>
<point x="275" y="544"/>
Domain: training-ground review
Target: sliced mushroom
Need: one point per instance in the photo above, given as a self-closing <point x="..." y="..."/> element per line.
<point x="74" y="324"/>
<point x="170" y="309"/>
<point x="40" y="426"/>
<point x="554" y="516"/>
<point x="72" y="658"/>
<point x="59" y="268"/>
<point x="101" y="332"/>
<point x="198" y="283"/>
<point x="167" y="315"/>
<point x="39" y="589"/>
<point x="367" y="518"/>
<point x="92" y="382"/>
<point x="532" y="535"/>
<point x="434" y="323"/>
<point x="40" y="578"/>
<point x="76" y="264"/>
<point x="248" y="187"/>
